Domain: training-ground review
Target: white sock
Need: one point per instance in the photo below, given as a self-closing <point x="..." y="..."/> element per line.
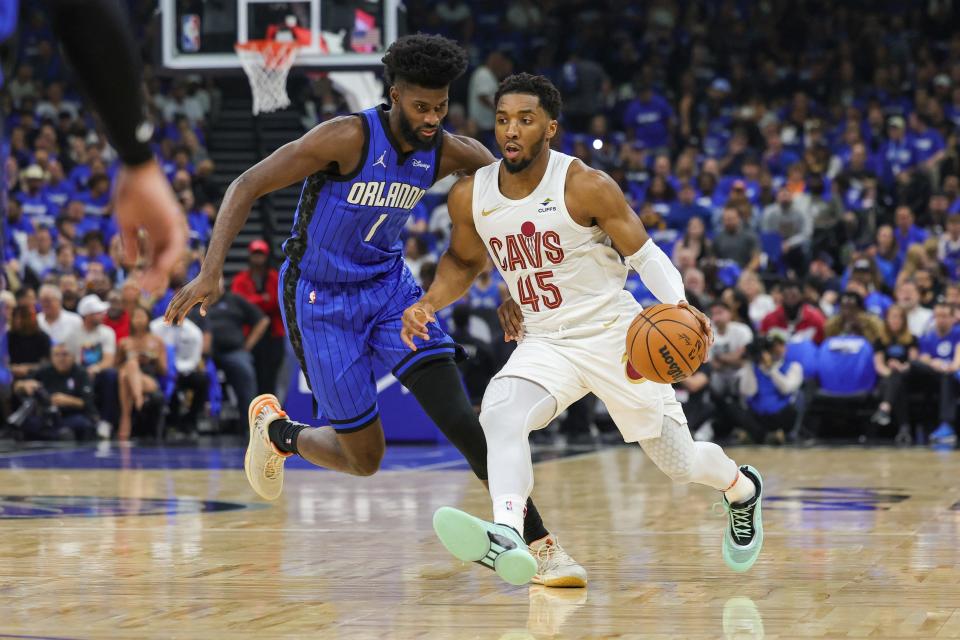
<point x="742" y="490"/>
<point x="510" y="510"/>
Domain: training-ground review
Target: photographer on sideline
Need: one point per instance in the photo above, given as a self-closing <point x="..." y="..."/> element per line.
<point x="56" y="402"/>
<point x="768" y="387"/>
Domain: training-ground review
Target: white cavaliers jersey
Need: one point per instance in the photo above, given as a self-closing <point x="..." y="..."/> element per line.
<point x="562" y="274"/>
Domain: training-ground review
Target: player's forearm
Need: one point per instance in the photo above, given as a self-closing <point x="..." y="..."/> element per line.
<point x="233" y="214"/>
<point x="657" y="273"/>
<point x="97" y="38"/>
<point x="454" y="277"/>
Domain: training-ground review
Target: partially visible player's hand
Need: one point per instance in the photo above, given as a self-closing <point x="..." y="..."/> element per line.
<point x="203" y="290"/>
<point x="511" y="319"/>
<point x="415" y="319"/>
<point x="145" y="201"/>
<point x="705" y="324"/>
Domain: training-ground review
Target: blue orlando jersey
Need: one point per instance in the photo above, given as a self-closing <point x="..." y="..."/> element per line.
<point x="347" y="228"/>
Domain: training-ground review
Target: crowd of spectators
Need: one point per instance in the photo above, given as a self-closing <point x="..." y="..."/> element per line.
<point x="799" y="162"/>
<point x="87" y="352"/>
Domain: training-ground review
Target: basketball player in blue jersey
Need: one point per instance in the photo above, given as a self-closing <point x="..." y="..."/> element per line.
<point x="344" y="284"/>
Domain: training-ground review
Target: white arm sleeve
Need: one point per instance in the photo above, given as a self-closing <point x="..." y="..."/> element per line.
<point x="658" y="274"/>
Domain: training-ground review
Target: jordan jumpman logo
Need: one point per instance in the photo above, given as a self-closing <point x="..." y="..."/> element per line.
<point x="380" y="160"/>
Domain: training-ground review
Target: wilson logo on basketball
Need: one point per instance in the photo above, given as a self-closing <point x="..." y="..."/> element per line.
<point x="673" y="367"/>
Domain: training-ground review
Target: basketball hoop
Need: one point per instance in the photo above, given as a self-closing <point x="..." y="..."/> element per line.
<point x="267" y="63"/>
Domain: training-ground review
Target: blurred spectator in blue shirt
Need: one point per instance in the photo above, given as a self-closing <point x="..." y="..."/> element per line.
<point x="95" y="252"/>
<point x="935" y="369"/>
<point x="776" y="157"/>
<point x="96" y="199"/>
<point x="906" y="232"/>
<point x="17" y="229"/>
<point x="948" y="250"/>
<point x="928" y="144"/>
<point x="685" y="208"/>
<point x="649" y="118"/>
<point x="36" y="207"/>
<point x="887" y="255"/>
<point x="898" y="152"/>
<point x="57" y="190"/>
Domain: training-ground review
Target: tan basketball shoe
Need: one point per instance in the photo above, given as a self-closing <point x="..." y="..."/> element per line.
<point x="555" y="567"/>
<point x="263" y="463"/>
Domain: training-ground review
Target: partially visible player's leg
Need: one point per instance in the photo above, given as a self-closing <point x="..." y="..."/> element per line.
<point x="512" y="407"/>
<point x="328" y="342"/>
<point x="650" y="413"/>
<point x="431" y="375"/>
<point x="675" y="453"/>
<point x="347" y="398"/>
<point x="684" y="460"/>
<point x="438" y="388"/>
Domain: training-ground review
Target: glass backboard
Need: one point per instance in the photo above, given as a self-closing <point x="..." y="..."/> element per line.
<point x="200" y="34"/>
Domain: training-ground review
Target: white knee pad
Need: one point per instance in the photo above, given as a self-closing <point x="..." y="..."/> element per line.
<point x="510" y="402"/>
<point x="673" y="452"/>
<point x="683" y="460"/>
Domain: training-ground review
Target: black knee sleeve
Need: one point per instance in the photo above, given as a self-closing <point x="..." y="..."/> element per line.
<point x="437" y="387"/>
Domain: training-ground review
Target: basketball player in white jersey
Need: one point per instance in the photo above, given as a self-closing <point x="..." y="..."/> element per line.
<point x="560" y="233"/>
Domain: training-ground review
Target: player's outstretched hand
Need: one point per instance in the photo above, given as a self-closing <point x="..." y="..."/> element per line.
<point x="145" y="201"/>
<point x="203" y="290"/>
<point x="511" y="320"/>
<point x="705" y="324"/>
<point x="415" y="319"/>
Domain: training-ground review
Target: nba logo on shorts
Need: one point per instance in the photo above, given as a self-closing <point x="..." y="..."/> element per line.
<point x="313" y="297"/>
<point x="190" y="33"/>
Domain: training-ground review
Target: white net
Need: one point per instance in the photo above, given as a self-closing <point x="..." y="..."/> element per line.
<point x="267" y="63"/>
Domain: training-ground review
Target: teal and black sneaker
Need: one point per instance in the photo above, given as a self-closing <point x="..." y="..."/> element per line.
<point x="495" y="546"/>
<point x="743" y="538"/>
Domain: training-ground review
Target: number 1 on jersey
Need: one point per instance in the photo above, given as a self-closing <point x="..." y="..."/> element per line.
<point x="376" y="225"/>
<point x="528" y="295"/>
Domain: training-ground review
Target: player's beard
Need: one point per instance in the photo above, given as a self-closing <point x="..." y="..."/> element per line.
<point x="520" y="164"/>
<point x="410" y="135"/>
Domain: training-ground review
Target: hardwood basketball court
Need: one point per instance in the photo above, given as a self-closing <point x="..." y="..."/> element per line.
<point x="154" y="543"/>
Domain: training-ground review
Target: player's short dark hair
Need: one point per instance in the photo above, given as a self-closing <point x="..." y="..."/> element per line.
<point x="529" y="84"/>
<point x="429" y="61"/>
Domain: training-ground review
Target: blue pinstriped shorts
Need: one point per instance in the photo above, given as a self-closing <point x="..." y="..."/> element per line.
<point x="339" y="331"/>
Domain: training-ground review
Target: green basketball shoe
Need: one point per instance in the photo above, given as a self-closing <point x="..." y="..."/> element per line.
<point x="743" y="539"/>
<point x="495" y="546"/>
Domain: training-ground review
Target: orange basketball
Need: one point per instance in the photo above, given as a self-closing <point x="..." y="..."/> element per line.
<point x="665" y="344"/>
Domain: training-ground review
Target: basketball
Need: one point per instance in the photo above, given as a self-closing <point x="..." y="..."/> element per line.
<point x="665" y="343"/>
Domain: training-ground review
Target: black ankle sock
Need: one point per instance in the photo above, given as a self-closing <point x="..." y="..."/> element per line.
<point x="283" y="434"/>
<point x="533" y="528"/>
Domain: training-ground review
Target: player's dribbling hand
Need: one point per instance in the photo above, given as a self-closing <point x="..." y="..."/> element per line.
<point x="511" y="319"/>
<point x="415" y="319"/>
<point x="145" y="201"/>
<point x="203" y="290"/>
<point x="705" y="324"/>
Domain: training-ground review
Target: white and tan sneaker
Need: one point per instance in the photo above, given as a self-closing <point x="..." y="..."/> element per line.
<point x="263" y="462"/>
<point x="555" y="567"/>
